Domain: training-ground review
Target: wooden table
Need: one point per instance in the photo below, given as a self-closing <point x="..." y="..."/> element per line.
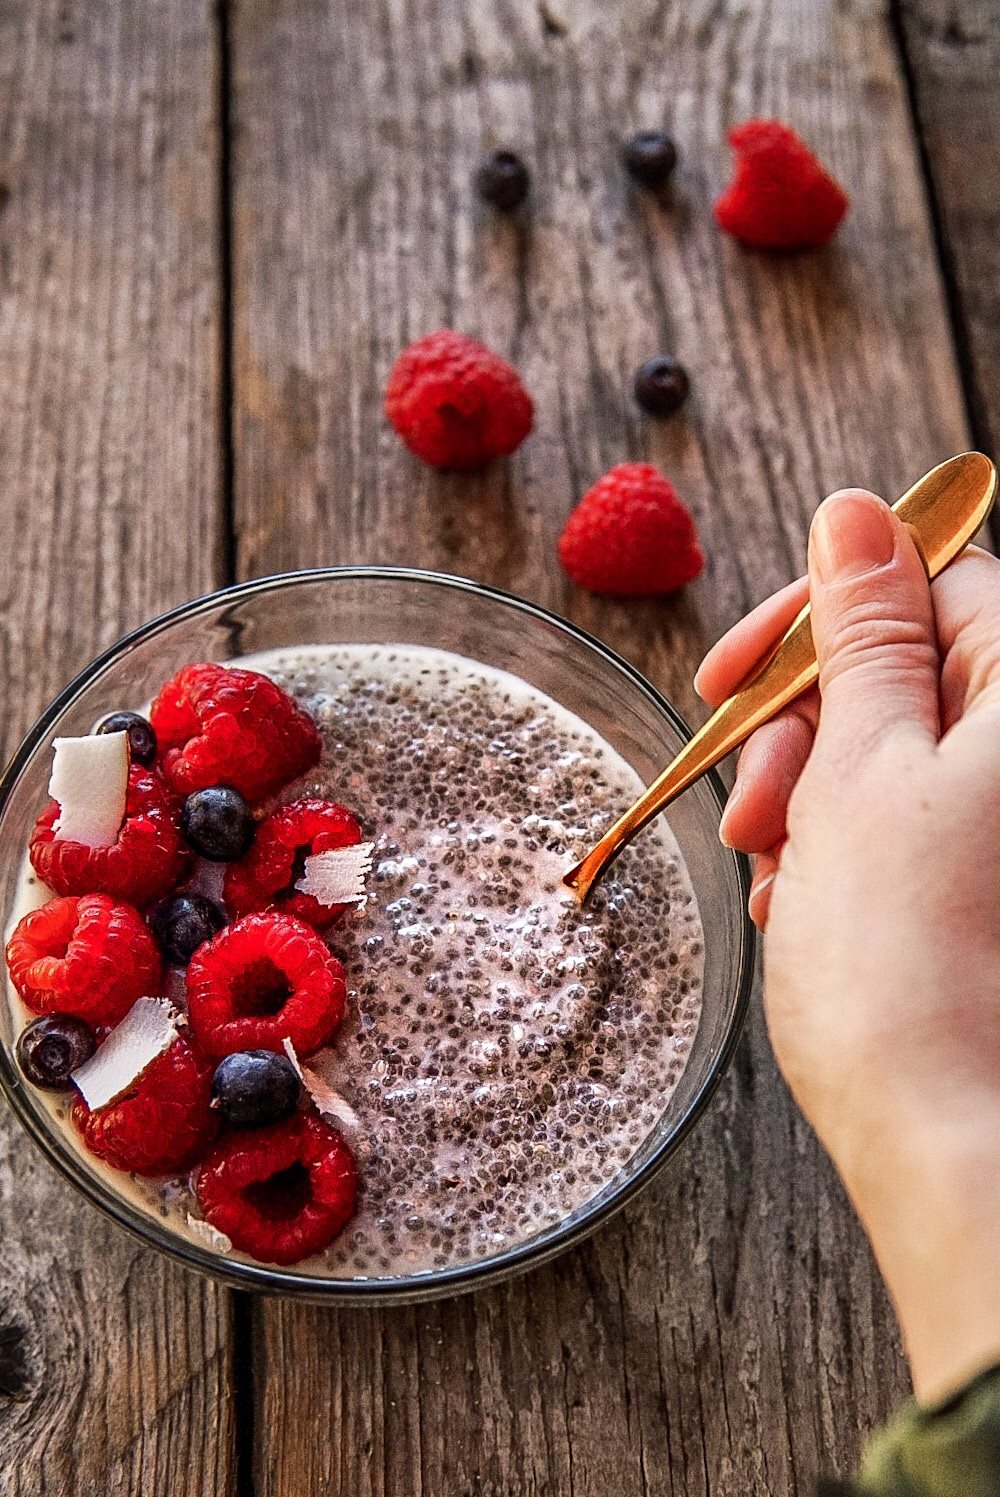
<point x="218" y="225"/>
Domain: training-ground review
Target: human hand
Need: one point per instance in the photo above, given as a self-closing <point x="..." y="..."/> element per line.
<point x="872" y="808"/>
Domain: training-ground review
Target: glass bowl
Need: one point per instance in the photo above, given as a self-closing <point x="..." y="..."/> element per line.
<point x="390" y="606"/>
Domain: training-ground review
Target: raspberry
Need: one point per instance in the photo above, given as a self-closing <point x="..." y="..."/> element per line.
<point x="456" y="403"/>
<point x="88" y="957"/>
<point x="280" y="1193"/>
<point x="163" y="1123"/>
<point x="266" y="877"/>
<point x="262" y="980"/>
<point x="780" y="197"/>
<point x="217" y="726"/>
<point x="631" y="535"/>
<point x="147" y="861"/>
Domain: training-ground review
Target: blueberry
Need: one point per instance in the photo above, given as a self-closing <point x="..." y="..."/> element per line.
<point x="218" y="823"/>
<point x="503" y="180"/>
<point x="661" y="385"/>
<point x="141" y="738"/>
<point x="255" y="1087"/>
<point x="50" y="1049"/>
<point x="184" y="923"/>
<point x="650" y="157"/>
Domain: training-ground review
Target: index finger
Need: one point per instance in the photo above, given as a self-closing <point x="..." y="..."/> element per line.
<point x="966" y="599"/>
<point x="734" y="656"/>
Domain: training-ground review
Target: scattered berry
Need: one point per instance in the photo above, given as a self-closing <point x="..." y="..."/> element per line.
<point x="218" y="823"/>
<point x="144" y="864"/>
<point x="141" y="738"/>
<point x="503" y="180"/>
<point x="256" y="1087"/>
<point x="164" y="1122"/>
<point x="264" y="979"/>
<point x="661" y="385"/>
<point x="50" y="1049"/>
<point x="650" y="158"/>
<point x="220" y="726"/>
<point x="184" y="923"/>
<point x="631" y="535"/>
<point x="280" y="1193"/>
<point x="89" y="957"/>
<point x="456" y="403"/>
<point x="780" y="197"/>
<point x="266" y="877"/>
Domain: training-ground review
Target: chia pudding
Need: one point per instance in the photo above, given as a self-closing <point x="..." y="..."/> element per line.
<point x="504" y="1052"/>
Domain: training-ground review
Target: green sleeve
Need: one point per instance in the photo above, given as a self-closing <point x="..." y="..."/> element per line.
<point x="951" y="1449"/>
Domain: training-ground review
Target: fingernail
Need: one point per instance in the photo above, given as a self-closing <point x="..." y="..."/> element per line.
<point x="852" y="534"/>
<point x="735" y="796"/>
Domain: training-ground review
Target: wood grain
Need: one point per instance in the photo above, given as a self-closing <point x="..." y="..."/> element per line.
<point x="953" y="47"/>
<point x="729" y="1334"/>
<point x="115" y="1368"/>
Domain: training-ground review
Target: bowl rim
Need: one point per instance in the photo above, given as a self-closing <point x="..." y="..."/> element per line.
<point x="437" y="1283"/>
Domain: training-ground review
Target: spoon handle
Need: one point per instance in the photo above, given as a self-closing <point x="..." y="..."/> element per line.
<point x="943" y="511"/>
<point x="790" y="669"/>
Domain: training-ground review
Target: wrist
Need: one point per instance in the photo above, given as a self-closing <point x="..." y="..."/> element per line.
<point x="930" y="1202"/>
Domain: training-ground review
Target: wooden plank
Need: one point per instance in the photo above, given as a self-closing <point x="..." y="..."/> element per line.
<point x="953" y="47"/>
<point x="729" y="1333"/>
<point x="115" y="1368"/>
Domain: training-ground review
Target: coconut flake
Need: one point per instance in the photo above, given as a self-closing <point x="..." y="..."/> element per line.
<point x="149" y="1028"/>
<point x="209" y="1235"/>
<point x="90" y="783"/>
<point x="338" y="876"/>
<point x="329" y="1101"/>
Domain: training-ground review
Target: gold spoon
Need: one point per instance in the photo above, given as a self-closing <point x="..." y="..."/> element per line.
<point x="943" y="511"/>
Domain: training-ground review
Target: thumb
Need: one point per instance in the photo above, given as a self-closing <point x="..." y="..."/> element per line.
<point x="873" y="626"/>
